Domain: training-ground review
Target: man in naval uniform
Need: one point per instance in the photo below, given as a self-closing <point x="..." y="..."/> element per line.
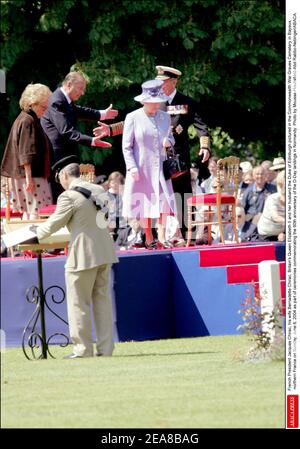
<point x="184" y="111"/>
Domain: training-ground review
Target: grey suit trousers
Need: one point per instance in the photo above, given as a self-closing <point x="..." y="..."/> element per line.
<point x="88" y="294"/>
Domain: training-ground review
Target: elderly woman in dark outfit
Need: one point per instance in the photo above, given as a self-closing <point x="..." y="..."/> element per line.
<point x="26" y="158"/>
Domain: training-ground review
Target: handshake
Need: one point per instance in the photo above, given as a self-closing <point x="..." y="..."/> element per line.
<point x="105" y="130"/>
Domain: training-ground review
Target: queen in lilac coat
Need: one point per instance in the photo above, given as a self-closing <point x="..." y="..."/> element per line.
<point x="146" y="135"/>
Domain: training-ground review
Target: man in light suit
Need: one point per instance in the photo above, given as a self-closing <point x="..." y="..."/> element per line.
<point x="87" y="270"/>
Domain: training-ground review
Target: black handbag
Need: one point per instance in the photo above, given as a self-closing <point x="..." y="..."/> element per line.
<point x="173" y="166"/>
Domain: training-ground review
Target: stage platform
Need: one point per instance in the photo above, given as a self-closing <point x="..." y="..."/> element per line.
<point x="185" y="292"/>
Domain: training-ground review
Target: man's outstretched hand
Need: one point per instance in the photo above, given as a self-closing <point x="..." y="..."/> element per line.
<point x="101" y="131"/>
<point x="109" y="113"/>
<point x="97" y="142"/>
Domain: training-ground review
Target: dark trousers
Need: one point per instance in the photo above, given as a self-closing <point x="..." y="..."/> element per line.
<point x="268" y="238"/>
<point x="183" y="190"/>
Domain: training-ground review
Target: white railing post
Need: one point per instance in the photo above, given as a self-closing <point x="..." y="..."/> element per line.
<point x="2" y="340"/>
<point x="270" y="293"/>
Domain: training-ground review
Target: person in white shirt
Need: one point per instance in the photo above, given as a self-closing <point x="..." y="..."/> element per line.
<point x="207" y="185"/>
<point x="271" y="225"/>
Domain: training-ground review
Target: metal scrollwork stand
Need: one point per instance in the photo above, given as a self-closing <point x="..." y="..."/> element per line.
<point x="34" y="339"/>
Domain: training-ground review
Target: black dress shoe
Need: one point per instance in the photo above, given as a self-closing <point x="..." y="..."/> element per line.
<point x="72" y="356"/>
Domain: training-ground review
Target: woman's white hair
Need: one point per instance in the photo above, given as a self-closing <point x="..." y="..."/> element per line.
<point x="34" y="94"/>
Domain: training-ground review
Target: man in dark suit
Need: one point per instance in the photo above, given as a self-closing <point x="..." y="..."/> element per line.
<point x="60" y="120"/>
<point x="184" y="111"/>
<point x="133" y="236"/>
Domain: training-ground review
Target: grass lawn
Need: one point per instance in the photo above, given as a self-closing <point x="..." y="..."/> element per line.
<point x="188" y="383"/>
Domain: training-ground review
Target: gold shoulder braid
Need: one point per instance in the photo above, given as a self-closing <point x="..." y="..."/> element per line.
<point x="205" y="142"/>
<point x="116" y="128"/>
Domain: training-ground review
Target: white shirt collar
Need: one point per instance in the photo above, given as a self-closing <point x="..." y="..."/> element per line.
<point x="171" y="96"/>
<point x="66" y="95"/>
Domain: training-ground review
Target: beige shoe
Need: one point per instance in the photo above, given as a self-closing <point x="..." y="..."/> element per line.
<point x="179" y="243"/>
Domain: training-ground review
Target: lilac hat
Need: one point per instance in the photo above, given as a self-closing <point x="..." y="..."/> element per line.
<point x="152" y="93"/>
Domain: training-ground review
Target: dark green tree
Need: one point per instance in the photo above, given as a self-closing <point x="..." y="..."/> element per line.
<point x="231" y="54"/>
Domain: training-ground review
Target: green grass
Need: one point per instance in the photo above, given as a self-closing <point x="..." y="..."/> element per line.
<point x="189" y="383"/>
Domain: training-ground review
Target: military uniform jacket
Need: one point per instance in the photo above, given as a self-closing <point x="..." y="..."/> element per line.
<point x="181" y="123"/>
<point x="90" y="245"/>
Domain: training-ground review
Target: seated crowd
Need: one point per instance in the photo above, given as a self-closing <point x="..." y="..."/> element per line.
<point x="147" y="207"/>
<point x="260" y="210"/>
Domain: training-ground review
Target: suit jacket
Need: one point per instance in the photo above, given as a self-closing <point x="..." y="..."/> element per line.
<point x="90" y="245"/>
<point x="123" y="235"/>
<point x="59" y="123"/>
<point x="26" y="144"/>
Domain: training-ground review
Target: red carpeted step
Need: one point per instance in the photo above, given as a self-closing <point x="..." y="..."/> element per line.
<point x="217" y="257"/>
<point x="282" y="288"/>
<point x="47" y="210"/>
<point x="240" y="274"/>
<point x="283" y="307"/>
<point x="13" y="214"/>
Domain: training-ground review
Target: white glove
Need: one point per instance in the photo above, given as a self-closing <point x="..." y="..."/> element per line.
<point x="166" y="143"/>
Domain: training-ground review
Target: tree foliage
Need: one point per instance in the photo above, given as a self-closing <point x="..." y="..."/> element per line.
<point x="231" y="54"/>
